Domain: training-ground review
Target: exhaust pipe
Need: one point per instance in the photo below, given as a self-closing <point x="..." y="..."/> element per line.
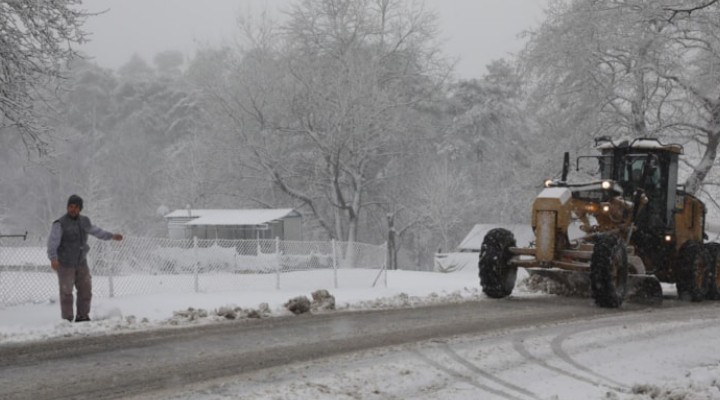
<point x="566" y="166"/>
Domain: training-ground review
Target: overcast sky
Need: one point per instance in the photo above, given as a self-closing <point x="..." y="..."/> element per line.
<point x="476" y="31"/>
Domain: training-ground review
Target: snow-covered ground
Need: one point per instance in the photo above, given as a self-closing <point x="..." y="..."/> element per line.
<point x="404" y="288"/>
<point x="676" y="360"/>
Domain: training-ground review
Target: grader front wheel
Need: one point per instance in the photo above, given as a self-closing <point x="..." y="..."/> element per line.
<point x="497" y="278"/>
<point x="609" y="272"/>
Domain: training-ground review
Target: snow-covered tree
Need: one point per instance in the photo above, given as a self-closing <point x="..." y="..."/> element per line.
<point x="695" y="74"/>
<point x="136" y="68"/>
<point x="168" y="63"/>
<point x="493" y="139"/>
<point x="36" y="42"/>
<point x="628" y="68"/>
<point x="324" y="103"/>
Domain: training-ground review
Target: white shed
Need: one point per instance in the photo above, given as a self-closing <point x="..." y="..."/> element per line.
<point x="473" y="240"/>
<point x="466" y="257"/>
<point x="283" y="223"/>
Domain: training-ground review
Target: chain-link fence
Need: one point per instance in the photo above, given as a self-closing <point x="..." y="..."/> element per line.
<point x="151" y="265"/>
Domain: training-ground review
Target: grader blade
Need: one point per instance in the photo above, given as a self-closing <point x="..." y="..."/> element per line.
<point x="644" y="289"/>
<point x="559" y="281"/>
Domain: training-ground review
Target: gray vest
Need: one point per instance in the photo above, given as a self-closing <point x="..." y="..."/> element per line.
<point x="73" y="244"/>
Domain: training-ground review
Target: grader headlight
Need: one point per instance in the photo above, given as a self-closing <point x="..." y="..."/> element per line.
<point x="591" y="208"/>
<point x="606" y="185"/>
<point x="606" y="208"/>
<point x="548" y="182"/>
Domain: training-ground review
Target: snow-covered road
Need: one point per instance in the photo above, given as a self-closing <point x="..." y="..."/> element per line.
<point x="651" y="354"/>
<point x="660" y="352"/>
<point x="137" y="363"/>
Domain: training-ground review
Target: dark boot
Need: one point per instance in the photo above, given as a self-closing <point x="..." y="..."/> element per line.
<point x="80" y="318"/>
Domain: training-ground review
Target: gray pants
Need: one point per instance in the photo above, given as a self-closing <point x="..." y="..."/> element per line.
<point x="78" y="277"/>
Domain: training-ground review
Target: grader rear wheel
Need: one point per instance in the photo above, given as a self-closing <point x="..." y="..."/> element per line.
<point x="714" y="290"/>
<point x="609" y="272"/>
<point x="694" y="272"/>
<point x="497" y="278"/>
<point x="713" y="250"/>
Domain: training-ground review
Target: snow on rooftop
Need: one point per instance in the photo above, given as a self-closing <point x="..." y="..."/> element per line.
<point x="641" y="144"/>
<point x="232" y="217"/>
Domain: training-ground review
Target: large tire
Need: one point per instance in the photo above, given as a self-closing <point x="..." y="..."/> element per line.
<point x="497" y="278"/>
<point x="609" y="272"/>
<point x="693" y="271"/>
<point x="714" y="290"/>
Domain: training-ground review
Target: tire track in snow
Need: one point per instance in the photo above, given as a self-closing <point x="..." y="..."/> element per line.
<point x="557" y="343"/>
<point x="462" y="377"/>
<point x="594" y="378"/>
<point x="473" y="368"/>
<point x="518" y="344"/>
<point x="557" y="347"/>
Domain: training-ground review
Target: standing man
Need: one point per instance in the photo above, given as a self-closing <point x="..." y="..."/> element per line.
<point x="67" y="250"/>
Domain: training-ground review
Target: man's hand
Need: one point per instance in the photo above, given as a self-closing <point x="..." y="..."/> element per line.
<point x="55" y="264"/>
<point x="117" y="236"/>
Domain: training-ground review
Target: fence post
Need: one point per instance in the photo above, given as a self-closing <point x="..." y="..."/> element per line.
<point x="385" y="268"/>
<point x="111" y="272"/>
<point x="277" y="262"/>
<point x="197" y="263"/>
<point x="390" y="244"/>
<point x="2" y="292"/>
<point x="334" y="258"/>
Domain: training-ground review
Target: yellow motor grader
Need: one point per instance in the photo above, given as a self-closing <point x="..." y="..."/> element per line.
<point x="637" y="227"/>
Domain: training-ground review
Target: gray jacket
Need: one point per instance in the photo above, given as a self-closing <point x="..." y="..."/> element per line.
<point x="68" y="239"/>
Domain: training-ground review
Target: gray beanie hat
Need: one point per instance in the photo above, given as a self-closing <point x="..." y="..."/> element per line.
<point x="77" y="200"/>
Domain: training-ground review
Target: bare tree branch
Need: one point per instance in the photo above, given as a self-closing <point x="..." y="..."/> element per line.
<point x="675" y="11"/>
<point x="36" y="43"/>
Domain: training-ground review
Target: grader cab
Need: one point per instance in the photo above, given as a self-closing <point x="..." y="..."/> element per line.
<point x="637" y="228"/>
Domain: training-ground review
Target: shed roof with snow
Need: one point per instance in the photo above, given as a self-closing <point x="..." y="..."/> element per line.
<point x="235" y="223"/>
<point x="232" y="217"/>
